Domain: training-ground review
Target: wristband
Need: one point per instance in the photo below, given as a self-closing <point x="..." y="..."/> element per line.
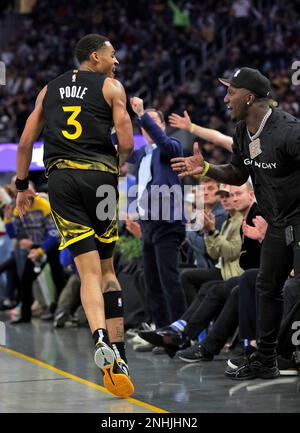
<point x="192" y="127"/>
<point x="22" y="184"/>
<point x="40" y="251"/>
<point x="206" y="168"/>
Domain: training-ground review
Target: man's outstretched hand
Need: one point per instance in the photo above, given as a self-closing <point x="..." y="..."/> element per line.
<point x="189" y="166"/>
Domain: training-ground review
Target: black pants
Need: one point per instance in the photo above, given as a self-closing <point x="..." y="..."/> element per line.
<point x="139" y="281"/>
<point x="29" y="276"/>
<point x="291" y="295"/>
<point x="161" y="242"/>
<point x="239" y="310"/>
<point x="248" y="311"/>
<point x="225" y="325"/>
<point x="192" y="279"/>
<point x="277" y="260"/>
<point x="248" y="305"/>
<point x="291" y="315"/>
<point x="10" y="268"/>
<point x="204" y="309"/>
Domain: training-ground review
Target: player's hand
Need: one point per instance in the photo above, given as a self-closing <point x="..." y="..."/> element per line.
<point x="24" y="201"/>
<point x="190" y="166"/>
<point x="137" y="105"/>
<point x="180" y="122"/>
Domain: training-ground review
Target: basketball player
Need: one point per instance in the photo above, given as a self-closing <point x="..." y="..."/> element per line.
<point x="77" y="111"/>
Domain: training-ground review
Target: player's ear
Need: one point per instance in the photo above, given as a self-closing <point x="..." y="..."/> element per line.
<point x="94" y="57"/>
<point x="250" y="99"/>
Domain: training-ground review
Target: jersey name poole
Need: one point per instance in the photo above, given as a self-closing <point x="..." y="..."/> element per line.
<point x="72" y="92"/>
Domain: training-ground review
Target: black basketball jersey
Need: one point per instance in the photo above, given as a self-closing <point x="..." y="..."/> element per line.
<point x="78" y="123"/>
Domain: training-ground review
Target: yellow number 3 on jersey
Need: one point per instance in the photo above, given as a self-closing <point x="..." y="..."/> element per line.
<point x="71" y="121"/>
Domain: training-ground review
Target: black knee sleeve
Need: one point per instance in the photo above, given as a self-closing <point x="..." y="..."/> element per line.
<point x="113" y="304"/>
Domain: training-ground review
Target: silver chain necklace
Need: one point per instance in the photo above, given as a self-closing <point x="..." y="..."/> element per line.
<point x="261" y="126"/>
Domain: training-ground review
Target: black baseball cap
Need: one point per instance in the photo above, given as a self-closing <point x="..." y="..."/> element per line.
<point x="251" y="79"/>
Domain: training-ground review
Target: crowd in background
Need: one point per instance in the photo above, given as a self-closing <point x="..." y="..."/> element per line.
<point x="152" y="38"/>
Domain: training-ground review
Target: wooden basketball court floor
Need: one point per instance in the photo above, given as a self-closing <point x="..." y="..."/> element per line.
<point x="52" y="370"/>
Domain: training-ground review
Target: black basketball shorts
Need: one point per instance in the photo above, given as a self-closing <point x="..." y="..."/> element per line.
<point x="84" y="206"/>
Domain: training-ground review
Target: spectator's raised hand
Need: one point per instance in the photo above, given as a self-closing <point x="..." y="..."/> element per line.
<point x="137" y="105"/>
<point x="251" y="232"/>
<point x="209" y="222"/>
<point x="190" y="166"/>
<point x="180" y="122"/>
<point x="134" y="228"/>
<point x="261" y="224"/>
<point x="258" y="231"/>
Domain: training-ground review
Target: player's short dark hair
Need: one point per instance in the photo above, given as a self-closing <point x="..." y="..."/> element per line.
<point x="86" y="45"/>
<point x="160" y="114"/>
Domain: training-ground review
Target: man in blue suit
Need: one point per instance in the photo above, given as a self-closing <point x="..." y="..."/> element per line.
<point x="161" y="215"/>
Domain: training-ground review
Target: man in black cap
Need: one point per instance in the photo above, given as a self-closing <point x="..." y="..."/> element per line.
<point x="266" y="145"/>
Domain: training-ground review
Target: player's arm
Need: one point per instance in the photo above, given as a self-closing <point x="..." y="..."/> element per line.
<point x="31" y="133"/>
<point x="234" y="173"/>
<point x="228" y="173"/>
<point x="114" y="94"/>
<point x="168" y="146"/>
<point x="210" y="135"/>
